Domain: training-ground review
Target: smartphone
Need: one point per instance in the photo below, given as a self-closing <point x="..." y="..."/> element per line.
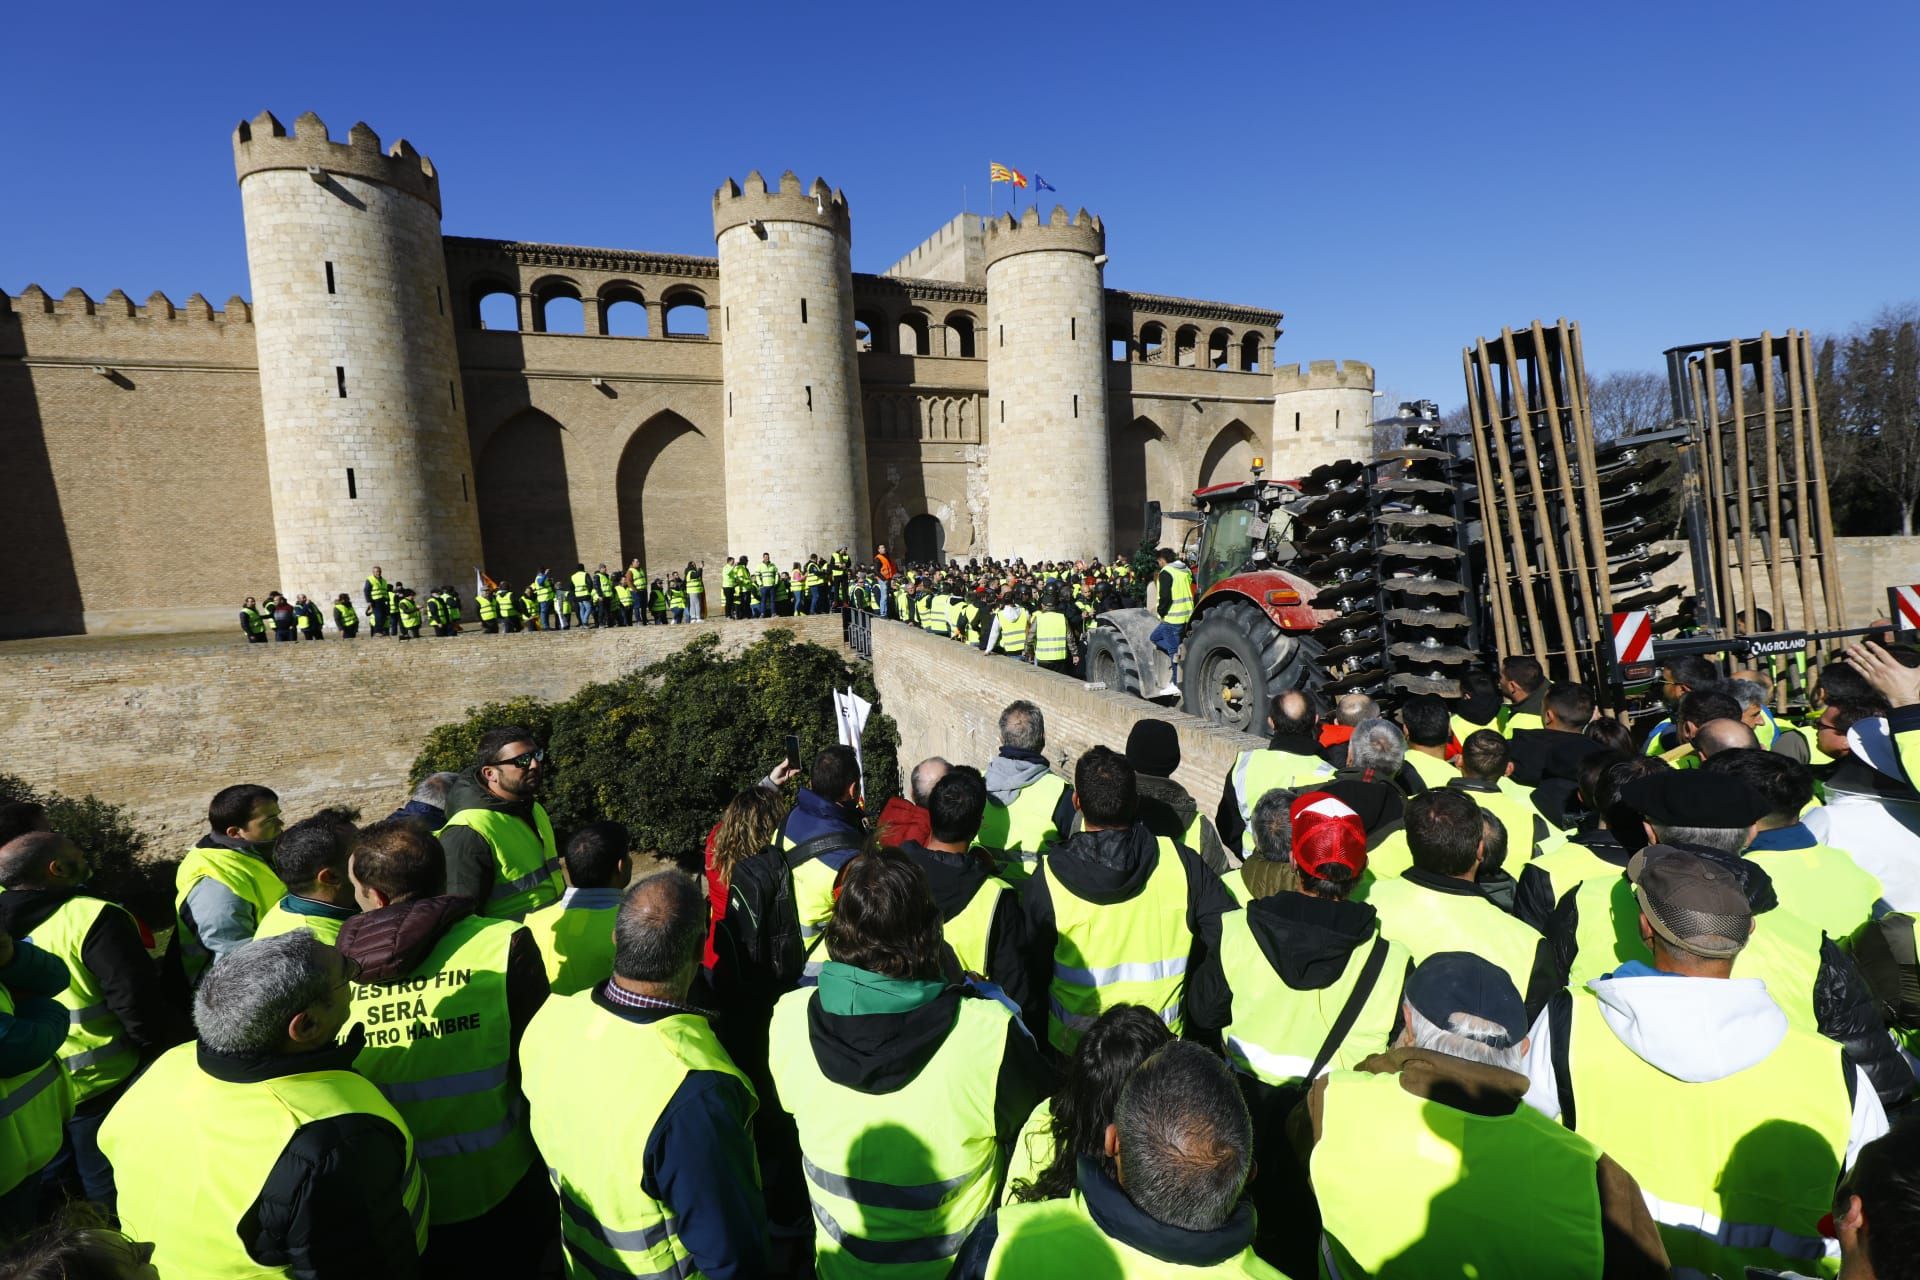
<point x="793" y="751"/>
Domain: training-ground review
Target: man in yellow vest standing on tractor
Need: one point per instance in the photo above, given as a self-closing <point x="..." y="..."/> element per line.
<point x="1118" y="913"/>
<point x="259" y="1150"/>
<point x="226" y="883"/>
<point x="1174" y="604"/>
<point x="443" y="996"/>
<point x="498" y="839"/>
<point x="1029" y="807"/>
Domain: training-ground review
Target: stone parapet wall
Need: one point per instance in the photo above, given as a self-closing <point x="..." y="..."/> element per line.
<point x="159" y="727"/>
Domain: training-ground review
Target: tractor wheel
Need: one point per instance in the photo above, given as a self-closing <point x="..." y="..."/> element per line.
<point x="1235" y="661"/>
<point x="1110" y="661"/>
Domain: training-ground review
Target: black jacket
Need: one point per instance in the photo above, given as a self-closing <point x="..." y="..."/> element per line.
<point x="1108" y="867"/>
<point x="1226" y="818"/>
<point x="1541" y="754"/>
<point x="954" y="879"/>
<point x="333" y="1206"/>
<point x="1843" y="1003"/>
<point x="1308" y="941"/>
<point x="1381" y="804"/>
<point x="129" y="981"/>
<point x="1120" y="1219"/>
<point x="470" y="862"/>
<point x="1533" y="902"/>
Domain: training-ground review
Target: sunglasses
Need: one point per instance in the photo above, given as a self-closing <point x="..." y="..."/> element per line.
<point x="524" y="761"/>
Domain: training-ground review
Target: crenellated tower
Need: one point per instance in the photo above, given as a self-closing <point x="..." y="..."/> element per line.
<point x="367" y="452"/>
<point x="1049" y="465"/>
<point x="796" y="450"/>
<point x="1321" y="414"/>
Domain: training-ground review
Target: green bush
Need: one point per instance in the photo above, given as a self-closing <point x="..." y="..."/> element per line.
<point x="664" y="748"/>
<point x="109" y="838"/>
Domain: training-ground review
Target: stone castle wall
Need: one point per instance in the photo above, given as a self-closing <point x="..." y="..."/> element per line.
<point x="158" y="726"/>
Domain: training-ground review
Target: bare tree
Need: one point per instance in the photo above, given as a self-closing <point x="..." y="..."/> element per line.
<point x="1627" y="401"/>
<point x="1879" y="399"/>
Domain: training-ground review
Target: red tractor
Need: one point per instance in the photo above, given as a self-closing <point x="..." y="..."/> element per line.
<point x="1251" y="635"/>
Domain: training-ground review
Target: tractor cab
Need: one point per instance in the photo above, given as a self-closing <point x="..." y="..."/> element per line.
<point x="1243" y="527"/>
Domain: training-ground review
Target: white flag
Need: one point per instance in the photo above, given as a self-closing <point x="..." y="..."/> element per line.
<point x="851" y="710"/>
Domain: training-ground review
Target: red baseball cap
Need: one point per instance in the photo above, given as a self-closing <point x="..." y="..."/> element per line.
<point x="1327" y="837"/>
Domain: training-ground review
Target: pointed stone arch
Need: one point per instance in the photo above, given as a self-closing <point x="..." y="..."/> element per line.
<point x="1230" y="455"/>
<point x="526" y="509"/>
<point x="671" y="493"/>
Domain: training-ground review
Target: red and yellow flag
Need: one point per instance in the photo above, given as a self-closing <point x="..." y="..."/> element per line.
<point x="1000" y="173"/>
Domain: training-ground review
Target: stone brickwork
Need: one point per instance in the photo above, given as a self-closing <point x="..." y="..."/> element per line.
<point x="366" y="436"/>
<point x="159" y="727"/>
<point x="795" y="439"/>
<point x="947" y="697"/>
<point x="1049" y="470"/>
<point x="1320" y="415"/>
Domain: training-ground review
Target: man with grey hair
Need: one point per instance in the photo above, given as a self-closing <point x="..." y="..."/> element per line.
<point x="1398" y="1194"/>
<point x="1751" y="689"/>
<point x="1166" y="1199"/>
<point x="904" y="818"/>
<point x="428" y="803"/>
<point x="291" y="1159"/>
<point x="1369" y="781"/>
<point x="640" y="1116"/>
<point x="1029" y="807"/>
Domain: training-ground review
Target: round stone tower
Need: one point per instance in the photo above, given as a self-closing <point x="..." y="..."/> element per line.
<point x="1320" y="415"/>
<point x="796" y="443"/>
<point x="367" y="453"/>
<point x="1049" y="463"/>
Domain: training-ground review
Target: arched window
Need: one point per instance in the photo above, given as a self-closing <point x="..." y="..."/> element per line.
<point x="1186" y="346"/>
<point x="960" y="328"/>
<point x="1119" y="342"/>
<point x="1250" y="352"/>
<point x="1153" y="342"/>
<point x="623" y="311"/>
<point x="557" y="307"/>
<point x="1219" y="349"/>
<point x="686" y="314"/>
<point x="913" y="334"/>
<point x="495" y="306"/>
<point x="875" y="324"/>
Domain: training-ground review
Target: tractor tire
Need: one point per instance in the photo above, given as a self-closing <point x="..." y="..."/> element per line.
<point x="1110" y="660"/>
<point x="1235" y="661"/>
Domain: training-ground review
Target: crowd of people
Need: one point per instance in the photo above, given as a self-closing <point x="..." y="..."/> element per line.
<point x="1040" y="610"/>
<point x="1482" y="988"/>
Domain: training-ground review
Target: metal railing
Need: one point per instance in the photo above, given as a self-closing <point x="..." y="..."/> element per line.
<point x="858" y="624"/>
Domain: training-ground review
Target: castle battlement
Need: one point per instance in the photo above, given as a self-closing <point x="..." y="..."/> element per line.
<point x="1079" y="233"/>
<point x="263" y="143"/>
<point x="34" y="303"/>
<point x="954" y="252"/>
<point x="736" y="204"/>
<point x="1324" y="375"/>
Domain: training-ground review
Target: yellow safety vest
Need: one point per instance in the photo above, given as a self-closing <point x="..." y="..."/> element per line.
<point x="345" y="615"/>
<point x="248" y="875"/>
<point x="1432" y="770"/>
<point x="1257" y="772"/>
<point x="1132" y="952"/>
<point x="484" y="603"/>
<point x="1445" y="1203"/>
<point x="1426" y="922"/>
<point x="1277" y="1031"/>
<point x="1049" y="636"/>
<point x="376" y="589"/>
<point x="1573" y="864"/>
<point x="1822" y="885"/>
<point x="409" y="612"/>
<point x="279" y="920"/>
<point x="542" y="590"/>
<point x="34" y="1108"/>
<point x="1511" y="720"/>
<point x="582" y="584"/>
<point x="1181" y="608"/>
<point x="1060" y="1238"/>
<point x="765" y="574"/>
<point x="677" y="595"/>
<point x="900" y="1207"/>
<point x="1018" y="833"/>
<point x="934" y="618"/>
<point x="440" y="1047"/>
<point x="1516" y="813"/>
<point x="96" y="1054"/>
<point x="813" y="897"/>
<point x="1033" y="1149"/>
<point x="573" y="1056"/>
<point x="575" y="942"/>
<point x="969" y="930"/>
<point x="191" y="1154"/>
<point x="1726" y="1191"/>
<point x="1013" y="630"/>
<point x="526" y="862"/>
<point x="1464" y="728"/>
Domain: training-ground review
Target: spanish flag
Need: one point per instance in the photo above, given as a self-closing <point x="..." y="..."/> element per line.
<point x="1000" y="173"/>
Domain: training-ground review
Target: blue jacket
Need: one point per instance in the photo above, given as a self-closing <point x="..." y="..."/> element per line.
<point x="814" y="815"/>
<point x="32" y="1034"/>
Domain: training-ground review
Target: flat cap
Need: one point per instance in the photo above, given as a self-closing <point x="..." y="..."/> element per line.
<point x="1448" y="984"/>
<point x="1694" y="798"/>
<point x="1691" y="901"/>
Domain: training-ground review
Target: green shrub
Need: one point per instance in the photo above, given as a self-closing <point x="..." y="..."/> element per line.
<point x="663" y="749"/>
<point x="109" y="838"/>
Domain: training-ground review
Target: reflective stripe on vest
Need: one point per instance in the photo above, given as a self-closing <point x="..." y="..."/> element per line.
<point x="1277" y="1030"/>
<point x="439" y="1046"/>
<point x="96" y="1053"/>
<point x="1699" y="1149"/>
<point x="160" y="1142"/>
<point x="1018" y="833"/>
<point x="1129" y="952"/>
<point x="1013" y="630"/>
<point x="376" y="589"/>
<point x="934" y="617"/>
<point x="34" y="1108"/>
<point x="574" y="1055"/>
<point x="1181" y="579"/>
<point x="526" y="863"/>
<point x="1445" y="1203"/>
<point x="914" y="1199"/>
<point x="1257" y="772"/>
<point x="1050" y="636"/>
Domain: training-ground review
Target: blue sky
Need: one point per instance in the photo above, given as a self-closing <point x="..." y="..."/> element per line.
<point x="1398" y="179"/>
